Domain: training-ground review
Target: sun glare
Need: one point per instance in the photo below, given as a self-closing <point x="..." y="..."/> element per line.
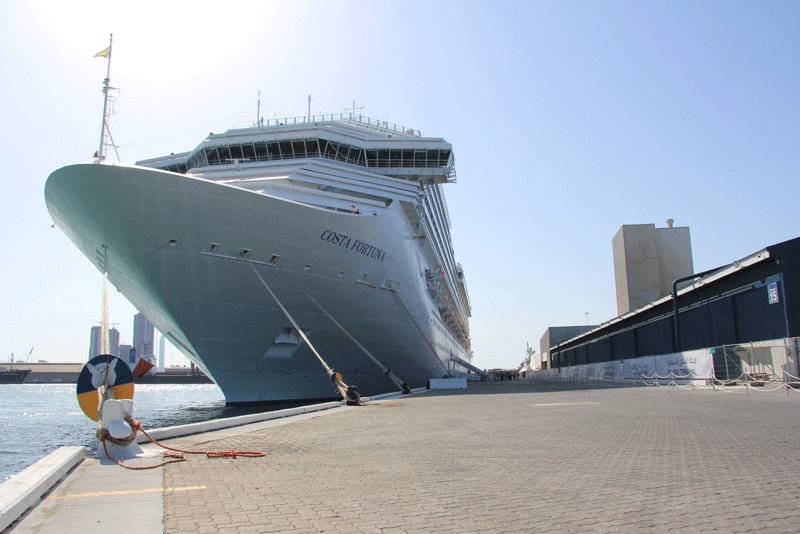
<point x="156" y="40"/>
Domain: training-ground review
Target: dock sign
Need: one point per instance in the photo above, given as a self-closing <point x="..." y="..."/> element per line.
<point x="772" y="291"/>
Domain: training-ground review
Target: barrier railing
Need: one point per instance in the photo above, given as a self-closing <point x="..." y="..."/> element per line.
<point x="762" y="367"/>
<point x="363" y="120"/>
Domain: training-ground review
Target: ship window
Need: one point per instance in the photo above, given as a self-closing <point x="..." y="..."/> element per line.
<point x="273" y="150"/>
<point x="330" y="150"/>
<point x="433" y="158"/>
<point x="236" y="152"/>
<point x="224" y="155"/>
<point x="212" y="156"/>
<point x="261" y="151"/>
<point x="383" y="158"/>
<point x="299" y="147"/>
<point x="359" y="159"/>
<point x="248" y="152"/>
<point x="419" y="158"/>
<point x="312" y="148"/>
<point x="182" y="168"/>
<point x="341" y="154"/>
<point x="286" y="149"/>
<point x="352" y="155"/>
<point x="196" y="161"/>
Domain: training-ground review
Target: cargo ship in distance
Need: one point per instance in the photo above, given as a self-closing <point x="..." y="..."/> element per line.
<point x="9" y="375"/>
<point x="342" y="217"/>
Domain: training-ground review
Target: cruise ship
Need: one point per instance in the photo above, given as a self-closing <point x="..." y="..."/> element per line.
<point x="270" y="248"/>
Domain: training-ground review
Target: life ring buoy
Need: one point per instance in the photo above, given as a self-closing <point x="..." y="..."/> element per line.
<point x="103" y="369"/>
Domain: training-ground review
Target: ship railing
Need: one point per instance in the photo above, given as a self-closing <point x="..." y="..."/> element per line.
<point x="374" y="124"/>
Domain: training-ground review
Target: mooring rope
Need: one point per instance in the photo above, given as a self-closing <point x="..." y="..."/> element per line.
<point x="388" y="372"/>
<point x="104" y="436"/>
<point x="348" y="393"/>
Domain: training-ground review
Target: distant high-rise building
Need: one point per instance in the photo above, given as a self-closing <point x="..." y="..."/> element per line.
<point x="94" y="343"/>
<point x="113" y="341"/>
<point x="647" y="260"/>
<point x="125" y="354"/>
<point x="162" y="349"/>
<point x="143" y="336"/>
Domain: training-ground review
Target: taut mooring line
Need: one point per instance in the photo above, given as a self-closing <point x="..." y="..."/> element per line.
<point x="388" y="372"/>
<point x="347" y="393"/>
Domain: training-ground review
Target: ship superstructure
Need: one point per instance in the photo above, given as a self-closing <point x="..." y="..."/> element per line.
<point x="341" y="215"/>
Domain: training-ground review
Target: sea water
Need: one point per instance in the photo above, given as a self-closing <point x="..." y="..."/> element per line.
<point x="36" y="419"/>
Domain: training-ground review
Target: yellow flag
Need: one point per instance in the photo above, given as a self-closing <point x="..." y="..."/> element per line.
<point x="104" y="53"/>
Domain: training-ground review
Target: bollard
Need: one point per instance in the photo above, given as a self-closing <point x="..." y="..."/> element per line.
<point x="112" y="419"/>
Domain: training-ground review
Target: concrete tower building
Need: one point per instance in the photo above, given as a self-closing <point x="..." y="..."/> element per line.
<point x="143" y="336"/>
<point x="94" y="342"/>
<point x="162" y="350"/>
<point x="113" y="341"/>
<point x="125" y="354"/>
<point x="646" y="262"/>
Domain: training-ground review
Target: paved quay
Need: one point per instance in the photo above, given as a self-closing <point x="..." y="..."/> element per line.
<point x="522" y="456"/>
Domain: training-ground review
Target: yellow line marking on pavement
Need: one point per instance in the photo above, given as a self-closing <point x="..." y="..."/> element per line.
<point x="564" y="404"/>
<point x="241" y="434"/>
<point x="127" y="492"/>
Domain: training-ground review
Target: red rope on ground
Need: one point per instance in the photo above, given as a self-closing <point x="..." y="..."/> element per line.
<point x="178" y="458"/>
<point x="136" y="425"/>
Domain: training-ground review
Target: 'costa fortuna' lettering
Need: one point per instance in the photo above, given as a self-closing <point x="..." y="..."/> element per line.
<point x="355" y="245"/>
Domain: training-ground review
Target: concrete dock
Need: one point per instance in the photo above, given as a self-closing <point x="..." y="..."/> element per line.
<point x="521" y="456"/>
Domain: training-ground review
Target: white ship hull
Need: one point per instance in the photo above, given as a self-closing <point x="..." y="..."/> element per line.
<point x="368" y="272"/>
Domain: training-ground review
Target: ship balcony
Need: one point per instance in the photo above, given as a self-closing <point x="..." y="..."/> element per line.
<point x="432" y="175"/>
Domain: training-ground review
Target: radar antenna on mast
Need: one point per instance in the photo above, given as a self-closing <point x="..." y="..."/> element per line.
<point x="354" y="109"/>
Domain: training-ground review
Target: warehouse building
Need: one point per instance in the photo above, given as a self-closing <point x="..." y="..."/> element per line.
<point x="754" y="299"/>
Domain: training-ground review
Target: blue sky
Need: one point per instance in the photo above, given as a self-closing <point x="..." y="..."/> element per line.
<point x="568" y="120"/>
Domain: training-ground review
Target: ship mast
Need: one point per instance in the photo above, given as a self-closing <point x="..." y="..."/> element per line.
<point x="100" y="155"/>
<point x="258" y="112"/>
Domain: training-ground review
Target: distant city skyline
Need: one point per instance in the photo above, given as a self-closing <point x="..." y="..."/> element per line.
<point x="143" y="328"/>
